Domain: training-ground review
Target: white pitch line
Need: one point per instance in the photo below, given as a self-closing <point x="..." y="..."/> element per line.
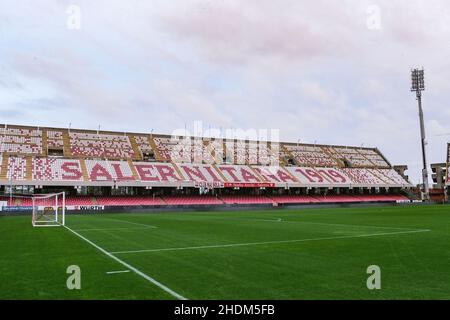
<point x="114" y="272"/>
<point x="330" y="224"/>
<point x="316" y="223"/>
<point x="135" y="223"/>
<point x="269" y="242"/>
<point x="128" y="266"/>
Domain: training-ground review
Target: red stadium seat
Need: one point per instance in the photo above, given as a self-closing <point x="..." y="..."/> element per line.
<point x="246" y="199"/>
<point x="192" y="200"/>
<point x="294" y="199"/>
<point x="128" y="201"/>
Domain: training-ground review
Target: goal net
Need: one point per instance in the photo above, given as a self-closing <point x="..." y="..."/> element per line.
<point x="49" y="209"/>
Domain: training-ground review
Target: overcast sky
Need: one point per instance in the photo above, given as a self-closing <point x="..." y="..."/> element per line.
<point x="335" y="72"/>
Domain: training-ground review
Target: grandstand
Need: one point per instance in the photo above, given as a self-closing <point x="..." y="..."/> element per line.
<point x="99" y="168"/>
<point x="448" y="165"/>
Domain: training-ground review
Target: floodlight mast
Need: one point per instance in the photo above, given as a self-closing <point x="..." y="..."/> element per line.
<point x="417" y="86"/>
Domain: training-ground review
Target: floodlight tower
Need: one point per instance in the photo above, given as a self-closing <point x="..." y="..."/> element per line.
<point x="417" y="86"/>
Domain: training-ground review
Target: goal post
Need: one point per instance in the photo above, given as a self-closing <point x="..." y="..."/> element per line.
<point x="49" y="209"/>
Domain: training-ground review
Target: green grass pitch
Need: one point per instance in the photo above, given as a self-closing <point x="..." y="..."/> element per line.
<point x="275" y="254"/>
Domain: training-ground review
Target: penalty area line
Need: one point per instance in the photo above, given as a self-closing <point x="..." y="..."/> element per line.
<point x="133" y="223"/>
<point x="130" y="267"/>
<point x="271" y="242"/>
<point x="329" y="224"/>
<point x="120" y="271"/>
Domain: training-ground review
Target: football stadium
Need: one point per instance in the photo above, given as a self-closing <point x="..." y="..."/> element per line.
<point x="151" y="216"/>
<point x="223" y="158"/>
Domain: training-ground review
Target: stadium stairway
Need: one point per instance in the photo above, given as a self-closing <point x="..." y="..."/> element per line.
<point x="365" y="157"/>
<point x="155" y="149"/>
<point x="380" y="175"/>
<point x="287" y="152"/>
<point x="66" y="146"/>
<point x="84" y="170"/>
<point x="384" y="176"/>
<point x="4" y="169"/>
<point x="163" y="200"/>
<point x="331" y="155"/>
<point x="133" y="170"/>
<point x="221" y="175"/>
<point x="29" y="168"/>
<point x="44" y="143"/>
<point x="135" y="147"/>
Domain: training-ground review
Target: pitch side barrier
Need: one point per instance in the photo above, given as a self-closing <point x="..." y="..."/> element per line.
<point x="235" y="207"/>
<point x="14" y="211"/>
<point x="210" y="208"/>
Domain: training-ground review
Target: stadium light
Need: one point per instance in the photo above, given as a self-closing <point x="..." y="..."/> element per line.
<point x="417" y="86"/>
<point x="417" y="80"/>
